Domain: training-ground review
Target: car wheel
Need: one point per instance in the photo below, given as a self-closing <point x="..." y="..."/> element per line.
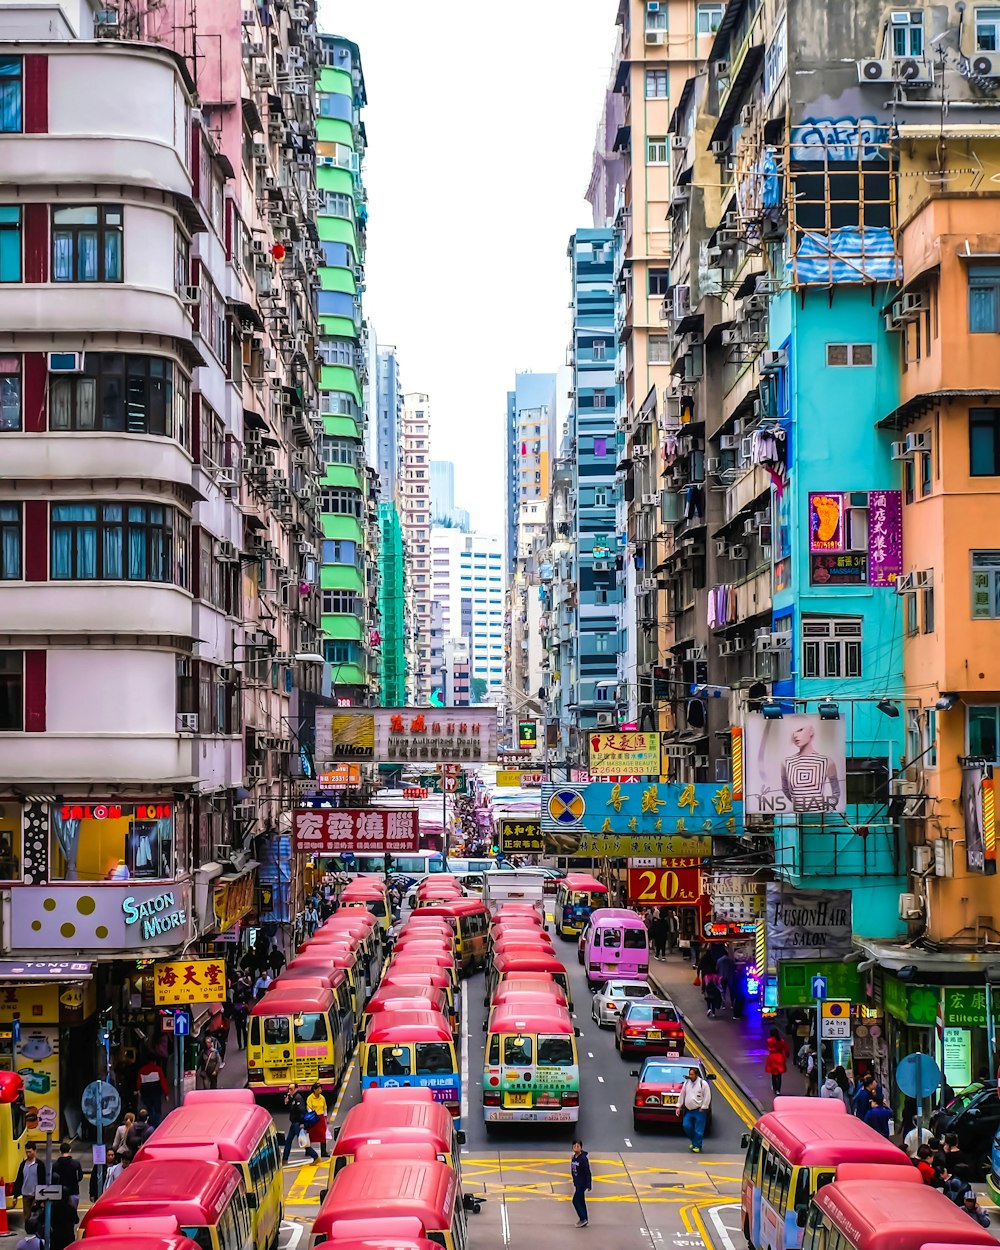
<point x="636" y="1124"/>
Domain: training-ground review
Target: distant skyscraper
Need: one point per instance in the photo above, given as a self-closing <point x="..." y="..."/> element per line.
<point x="530" y="444"/>
<point x="388" y="421"/>
<point x="467" y="585"/>
<point x="443" y="510"/>
<point x="414" y="500"/>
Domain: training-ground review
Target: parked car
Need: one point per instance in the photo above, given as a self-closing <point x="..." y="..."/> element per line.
<point x="657" y="1088"/>
<point x="974" y="1115"/>
<point x="612" y="997"/>
<point x="649" y="1026"/>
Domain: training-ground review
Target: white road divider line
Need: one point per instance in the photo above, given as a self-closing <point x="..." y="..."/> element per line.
<point x="504" y="1222"/>
<point x="465" y="1052"/>
<point x="720" y="1228"/>
<point x="628" y="1142"/>
<point x="613" y="1107"/>
<point x="601" y="1079"/>
<point x="590" y="1054"/>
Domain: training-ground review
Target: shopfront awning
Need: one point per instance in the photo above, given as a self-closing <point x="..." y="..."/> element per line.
<point x="896" y="958"/>
<point x="45" y="970"/>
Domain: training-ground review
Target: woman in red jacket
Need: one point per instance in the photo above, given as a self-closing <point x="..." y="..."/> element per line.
<point x="776" y="1063"/>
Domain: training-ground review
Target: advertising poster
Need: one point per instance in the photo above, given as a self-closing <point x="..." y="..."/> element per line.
<point x="465" y="735"/>
<point x="363" y="830"/>
<point x="654" y="887"/>
<point x="796" y="764"/>
<point x="36" y="1061"/>
<point x="615" y="754"/>
<point x="972" y="811"/>
<point x="522" y="837"/>
<point x="639" y="814"/>
<point x="807" y="924"/>
<point x="826" y="522"/>
<point x="885" y="537"/>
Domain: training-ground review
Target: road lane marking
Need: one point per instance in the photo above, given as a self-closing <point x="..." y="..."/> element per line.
<point x="465" y="1053"/>
<point x="590" y="1054"/>
<point x="343" y="1086"/>
<point x="613" y="1107"/>
<point x="504" y="1222"/>
<point x="720" y="1228"/>
<point x="628" y="1143"/>
<point x="601" y="1079"/>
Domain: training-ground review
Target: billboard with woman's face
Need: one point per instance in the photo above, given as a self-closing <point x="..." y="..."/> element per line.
<point x="796" y="764"/>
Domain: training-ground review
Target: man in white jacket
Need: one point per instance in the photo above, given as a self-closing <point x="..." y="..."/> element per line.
<point x="693" y="1103"/>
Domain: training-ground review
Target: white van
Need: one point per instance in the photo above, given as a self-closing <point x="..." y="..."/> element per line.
<point x="514" y="885"/>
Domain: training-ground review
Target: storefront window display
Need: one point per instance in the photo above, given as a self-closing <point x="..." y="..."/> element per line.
<point x="112" y="842"/>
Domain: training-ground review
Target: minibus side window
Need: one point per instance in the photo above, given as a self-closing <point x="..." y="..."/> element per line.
<point x="814" y="1237"/>
<point x="770" y="1164"/>
<point x="371" y="1067"/>
<point x="434" y="1058"/>
<point x="395" y="1061"/>
<point x="493" y="1053"/>
<point x="200" y="1234"/>
<point x="597" y="937"/>
<point x="782" y="1180"/>
<point x="255" y="1030"/>
<point x="753" y="1156"/>
<point x="802" y="1189"/>
<point x="458" y="1229"/>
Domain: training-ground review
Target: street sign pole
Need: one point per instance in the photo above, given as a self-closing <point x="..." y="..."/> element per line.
<point x="819" y="994"/>
<point x="48" y="1181"/>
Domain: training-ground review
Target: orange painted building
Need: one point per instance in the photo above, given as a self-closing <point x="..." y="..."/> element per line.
<point x="948" y="317"/>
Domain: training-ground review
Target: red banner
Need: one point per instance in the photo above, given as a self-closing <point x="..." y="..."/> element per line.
<point x="364" y="830"/>
<point x="652" y="887"/>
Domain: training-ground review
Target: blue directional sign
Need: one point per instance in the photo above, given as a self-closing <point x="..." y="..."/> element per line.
<point x="819" y="987"/>
<point x="182" y="1024"/>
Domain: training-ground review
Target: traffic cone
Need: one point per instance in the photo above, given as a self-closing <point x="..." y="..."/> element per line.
<point x="4" y="1225"/>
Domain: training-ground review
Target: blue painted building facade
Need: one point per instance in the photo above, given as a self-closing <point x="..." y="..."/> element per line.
<point x="593" y="457"/>
<point x="833" y="578"/>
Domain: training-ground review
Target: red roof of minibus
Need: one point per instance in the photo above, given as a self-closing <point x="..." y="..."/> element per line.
<point x="344" y="936"/>
<point x="512" y="1018"/>
<point x="583" y="881"/>
<point x="511" y="930"/>
<point x="331" y="978"/>
<point x="230" y="1129"/>
<point x="878" y="1214"/>
<point x="515" y="909"/>
<point x="393" y="997"/>
<point x="403" y="1233"/>
<point x="404" y="1094"/>
<point x="812" y="1141"/>
<point x="362" y="887"/>
<point x="417" y="953"/>
<point x="351" y="921"/>
<point x="403" y="975"/>
<point x="532" y="982"/>
<point x="517" y="959"/>
<point x="396" y="1122"/>
<point x="10" y="1086"/>
<point x="377" y="1151"/>
<point x="193" y="1191"/>
<point x="140" y="1241"/>
<point x="527" y="1000"/>
<point x="315" y="961"/>
<point x="294" y="996"/>
<point x="515" y="943"/>
<point x="427" y="1190"/>
<point x="418" y="923"/>
<point x="458" y="907"/>
<point x="422" y="942"/>
<point x="408" y="1026"/>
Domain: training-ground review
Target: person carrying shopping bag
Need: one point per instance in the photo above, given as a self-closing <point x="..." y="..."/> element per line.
<point x="315" y="1119"/>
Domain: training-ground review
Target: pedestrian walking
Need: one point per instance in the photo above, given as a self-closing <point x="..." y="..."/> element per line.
<point x="659" y="930"/>
<point x="693" y="1103"/>
<point x="315" y="1118"/>
<point x="99" y="1182"/>
<point x="864" y="1097"/>
<point x="209" y="1065"/>
<point x="121" y="1132"/>
<point x="971" y="1207"/>
<point x="64" y="1220"/>
<point x="262" y="984"/>
<point x="830" y="1089"/>
<point x="879" y="1117"/>
<point x="695" y="949"/>
<point x="311" y="917"/>
<point x="151" y="1085"/>
<point x="31" y="1239"/>
<point x="275" y="961"/>
<point x="66" y="1171"/>
<point x="583" y="1180"/>
<point x="30" y="1174"/>
<point x="295" y="1105"/>
<point x="138" y="1133"/>
<point x="241" y="1019"/>
<point x="776" y="1062"/>
<point x="712" y="993"/>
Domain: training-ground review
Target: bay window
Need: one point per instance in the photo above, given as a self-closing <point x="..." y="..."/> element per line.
<point x="10" y="542"/>
<point x="114" y="542"/>
<point x="123" y="393"/>
<point x="87" y="243"/>
<point x="10" y="393"/>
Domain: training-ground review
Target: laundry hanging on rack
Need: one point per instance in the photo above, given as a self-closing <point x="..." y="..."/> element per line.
<point x="694" y="502"/>
<point x="768" y="448"/>
<point x="721" y="607"/>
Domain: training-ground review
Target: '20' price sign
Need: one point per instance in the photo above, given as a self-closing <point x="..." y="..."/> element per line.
<point x="650" y="887"/>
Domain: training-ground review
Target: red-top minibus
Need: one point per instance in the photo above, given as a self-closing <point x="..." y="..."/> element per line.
<point x="428" y="1190"/>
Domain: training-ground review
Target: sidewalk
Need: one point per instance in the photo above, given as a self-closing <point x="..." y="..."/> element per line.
<point x="736" y="1046"/>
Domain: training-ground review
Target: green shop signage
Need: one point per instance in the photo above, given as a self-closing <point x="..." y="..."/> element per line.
<point x="965" y="1006"/>
<point x="795" y="979"/>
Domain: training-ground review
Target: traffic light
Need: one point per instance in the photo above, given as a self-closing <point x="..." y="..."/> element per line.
<point x="495" y="847"/>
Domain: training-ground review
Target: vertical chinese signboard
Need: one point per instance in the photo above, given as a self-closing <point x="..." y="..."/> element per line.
<point x="885" y="537"/>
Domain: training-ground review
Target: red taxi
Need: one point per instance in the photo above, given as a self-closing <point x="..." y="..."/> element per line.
<point x="658" y="1086"/>
<point x="649" y="1026"/>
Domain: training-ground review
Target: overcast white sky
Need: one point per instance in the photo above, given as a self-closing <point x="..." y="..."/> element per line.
<point x="481" y="122"/>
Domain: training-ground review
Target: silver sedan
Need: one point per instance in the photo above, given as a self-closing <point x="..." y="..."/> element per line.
<point x="612" y="996"/>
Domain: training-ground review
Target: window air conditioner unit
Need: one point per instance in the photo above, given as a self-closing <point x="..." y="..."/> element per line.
<point x="244" y="811"/>
<point x="255" y="772"/>
<point x="249" y="17"/>
<point x="228" y="553"/>
<point x="678" y="141"/>
<point x="191" y="295"/>
<point x="923" y="857"/>
<point x="876" y="71"/>
<point x="187" y="723"/>
<point x="913" y="302"/>
<point x="911" y="907"/>
<point x="738" y="552"/>
<point x="258" y="247"/>
<point x="923" y="579"/>
<point x="640" y="451"/>
<point x="654" y="38"/>
<point x="719" y="147"/>
<point x="713" y="464"/>
<point x="700" y="761"/>
<point x="986" y="66"/>
<point x="66" y="362"/>
<point x="901" y="452"/>
<point x="650" y="501"/>
<point x="605" y="718"/>
<point x="904" y="583"/>
<point x="729" y="442"/>
<point x="721" y="69"/>
<point x="738" y="644"/>
<point x="771" y="361"/>
<point x="918" y="442"/>
<point x="730" y="337"/>
<point x="725" y="648"/>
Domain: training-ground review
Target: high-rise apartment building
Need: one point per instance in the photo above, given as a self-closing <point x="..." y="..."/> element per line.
<point x="393" y="610"/>
<point x="414" y="501"/>
<point x="158" y="567"/>
<point x="467" y="580"/>
<point x="443" y="510"/>
<point x="349" y="493"/>
<point x="388" y="421"/>
<point x="529" y="446"/>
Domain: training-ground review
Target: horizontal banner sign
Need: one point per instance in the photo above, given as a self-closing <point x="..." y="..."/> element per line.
<point x="642" y="808"/>
<point x="190" y="981"/>
<point x="393" y="735"/>
<point x="519" y="777"/>
<point x="651" y="887"/>
<point x="807" y="924"/>
<point x="363" y="830"/>
<point x="521" y="837"/>
<point x="613" y="754"/>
